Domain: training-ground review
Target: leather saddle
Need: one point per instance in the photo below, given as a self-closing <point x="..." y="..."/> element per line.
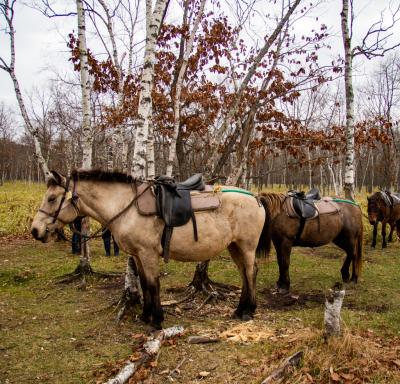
<point x="390" y="199"/>
<point x="304" y="203"/>
<point x="174" y="205"/>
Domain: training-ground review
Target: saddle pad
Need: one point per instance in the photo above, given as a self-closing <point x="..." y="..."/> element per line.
<point x="201" y="200"/>
<point x="324" y="206"/>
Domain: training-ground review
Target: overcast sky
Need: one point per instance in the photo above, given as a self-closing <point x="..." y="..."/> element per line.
<point x="41" y="47"/>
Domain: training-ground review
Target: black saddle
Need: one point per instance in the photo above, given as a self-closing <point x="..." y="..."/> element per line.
<point x="303" y="203"/>
<point x="174" y="205"/>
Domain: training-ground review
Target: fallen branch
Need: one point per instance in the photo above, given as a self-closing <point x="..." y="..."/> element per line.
<point x="283" y="370"/>
<point x="150" y="350"/>
<point x="176" y="369"/>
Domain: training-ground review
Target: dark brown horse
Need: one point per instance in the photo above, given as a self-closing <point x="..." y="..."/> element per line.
<point x="384" y="207"/>
<point x="344" y="229"/>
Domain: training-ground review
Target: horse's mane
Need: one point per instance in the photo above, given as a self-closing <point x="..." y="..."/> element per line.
<point x="103" y="176"/>
<point x="274" y="202"/>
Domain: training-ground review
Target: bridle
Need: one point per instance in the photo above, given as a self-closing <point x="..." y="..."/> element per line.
<point x="74" y="201"/>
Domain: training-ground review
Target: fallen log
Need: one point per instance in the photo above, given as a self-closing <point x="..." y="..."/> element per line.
<point x="283" y="370"/>
<point x="150" y="349"/>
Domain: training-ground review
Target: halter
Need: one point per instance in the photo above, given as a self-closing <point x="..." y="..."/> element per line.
<point x="74" y="198"/>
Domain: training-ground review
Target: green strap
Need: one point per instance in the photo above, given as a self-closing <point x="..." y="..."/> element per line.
<point x="238" y="191"/>
<point x="345" y="201"/>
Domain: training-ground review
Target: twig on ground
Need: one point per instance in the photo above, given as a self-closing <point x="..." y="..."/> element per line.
<point x="283" y="370"/>
<point x="176" y="369"/>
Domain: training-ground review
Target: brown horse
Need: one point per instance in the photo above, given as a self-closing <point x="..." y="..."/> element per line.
<point x="384" y="207"/>
<point x="344" y="229"/>
<point x="110" y="199"/>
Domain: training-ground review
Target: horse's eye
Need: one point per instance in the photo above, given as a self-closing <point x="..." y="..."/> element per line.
<point x="51" y="199"/>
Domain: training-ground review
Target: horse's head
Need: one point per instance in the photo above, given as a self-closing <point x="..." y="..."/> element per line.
<point x="57" y="209"/>
<point x="376" y="208"/>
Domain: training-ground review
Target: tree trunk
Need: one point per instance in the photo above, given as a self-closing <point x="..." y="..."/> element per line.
<point x="348" y="81"/>
<point x="178" y="89"/>
<point x="140" y="155"/>
<point x="87" y="135"/>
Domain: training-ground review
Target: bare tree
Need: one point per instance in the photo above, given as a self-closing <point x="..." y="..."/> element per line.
<point x="7" y="9"/>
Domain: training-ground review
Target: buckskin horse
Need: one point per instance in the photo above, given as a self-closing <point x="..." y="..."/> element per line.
<point x="384" y="207"/>
<point x="341" y="223"/>
<point x="113" y="199"/>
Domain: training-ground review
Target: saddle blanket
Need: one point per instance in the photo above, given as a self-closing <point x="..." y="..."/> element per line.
<point x="325" y="206"/>
<point x="201" y="200"/>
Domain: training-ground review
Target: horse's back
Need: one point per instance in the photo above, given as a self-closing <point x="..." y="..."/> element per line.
<point x="240" y="218"/>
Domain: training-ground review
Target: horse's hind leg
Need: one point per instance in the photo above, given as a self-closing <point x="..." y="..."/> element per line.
<point x="349" y="247"/>
<point x="245" y="261"/>
<point x="384" y="243"/>
<point x="283" y="249"/>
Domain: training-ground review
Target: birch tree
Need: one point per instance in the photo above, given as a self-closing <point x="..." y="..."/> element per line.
<point x="144" y="142"/>
<point x="7" y="9"/>
<point x="373" y="44"/>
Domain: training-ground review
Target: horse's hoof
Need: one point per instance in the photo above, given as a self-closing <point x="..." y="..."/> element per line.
<point x="237" y="315"/>
<point x="247" y="317"/>
<point x="144" y="318"/>
<point x="354" y="279"/>
<point x="283" y="291"/>
<point x="373" y="245"/>
<point x="156" y="326"/>
<point x="346" y="279"/>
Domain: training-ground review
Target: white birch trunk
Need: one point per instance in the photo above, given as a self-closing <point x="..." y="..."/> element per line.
<point x="349" y="164"/>
<point x="153" y="23"/>
<point x="8" y="12"/>
<point x="87" y="136"/>
<point x="178" y="90"/>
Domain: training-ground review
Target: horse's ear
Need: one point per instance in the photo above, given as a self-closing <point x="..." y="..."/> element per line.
<point x="56" y="179"/>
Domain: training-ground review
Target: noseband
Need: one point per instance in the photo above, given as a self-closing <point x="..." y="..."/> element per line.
<point x="74" y="198"/>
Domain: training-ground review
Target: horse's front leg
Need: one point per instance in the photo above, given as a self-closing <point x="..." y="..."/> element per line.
<point x="374" y="234"/>
<point x="384" y="243"/>
<point x="150" y="281"/>
<point x="283" y="249"/>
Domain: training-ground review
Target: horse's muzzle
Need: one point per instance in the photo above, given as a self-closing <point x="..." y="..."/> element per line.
<point x="36" y="235"/>
<point x="372" y="221"/>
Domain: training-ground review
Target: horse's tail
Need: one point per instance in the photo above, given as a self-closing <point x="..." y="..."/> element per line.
<point x="358" y="254"/>
<point x="264" y="244"/>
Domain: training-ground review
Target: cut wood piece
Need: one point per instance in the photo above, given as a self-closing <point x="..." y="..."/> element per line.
<point x="202" y="339"/>
<point x="283" y="370"/>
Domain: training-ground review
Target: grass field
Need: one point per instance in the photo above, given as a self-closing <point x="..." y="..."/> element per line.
<point x="52" y="333"/>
